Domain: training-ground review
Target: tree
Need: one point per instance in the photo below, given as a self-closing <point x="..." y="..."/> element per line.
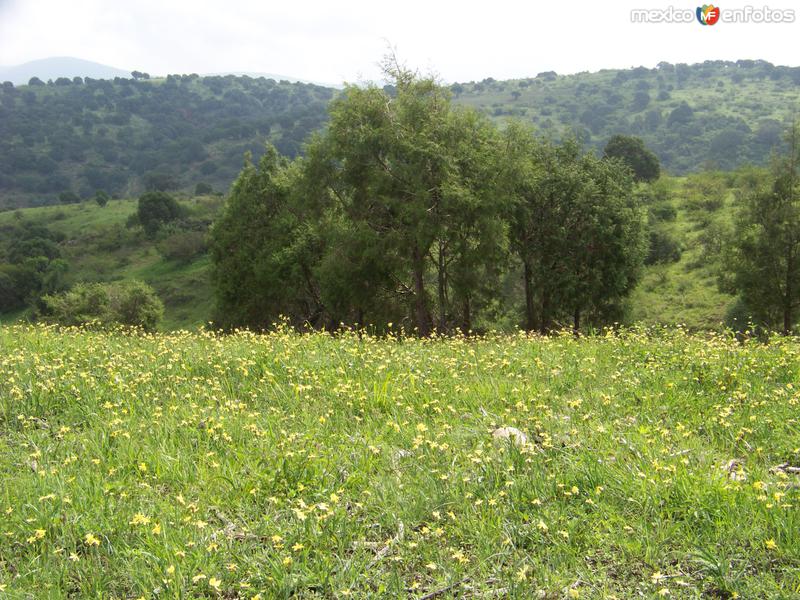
<point x="203" y="188"/>
<point x="632" y="151"/>
<point x="69" y="197"/>
<point x="263" y="250"/>
<point x="763" y="262"/>
<point x="576" y="227"/>
<point x="155" y="209"/>
<point x="101" y="197"/>
<point x="409" y="171"/>
<point x="35" y="81"/>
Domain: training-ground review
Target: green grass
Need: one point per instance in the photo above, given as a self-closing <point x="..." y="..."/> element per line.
<point x="191" y="465"/>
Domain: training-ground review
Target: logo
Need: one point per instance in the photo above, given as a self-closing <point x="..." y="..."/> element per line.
<point x="708" y="14"/>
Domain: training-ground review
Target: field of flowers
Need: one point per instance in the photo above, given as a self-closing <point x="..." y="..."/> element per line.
<point x="261" y="466"/>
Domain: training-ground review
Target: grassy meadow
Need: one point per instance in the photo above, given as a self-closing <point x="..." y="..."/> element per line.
<point x="190" y="465"/>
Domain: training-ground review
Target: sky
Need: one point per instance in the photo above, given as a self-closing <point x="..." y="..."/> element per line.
<point x="344" y="40"/>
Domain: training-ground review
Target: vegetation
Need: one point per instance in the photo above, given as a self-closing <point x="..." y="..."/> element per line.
<point x="404" y="192"/>
<point x="764" y="260"/>
<point x="313" y="465"/>
<point x="133" y="304"/>
<point x="97" y="244"/>
<point x="710" y="115"/>
<point x="126" y="136"/>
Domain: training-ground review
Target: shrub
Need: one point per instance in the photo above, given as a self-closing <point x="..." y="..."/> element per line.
<point x="663" y="249"/>
<point x="183" y="246"/>
<point x="131" y="303"/>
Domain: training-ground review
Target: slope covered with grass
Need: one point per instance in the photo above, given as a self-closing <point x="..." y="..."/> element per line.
<point x="316" y="466"/>
<point x="97" y="245"/>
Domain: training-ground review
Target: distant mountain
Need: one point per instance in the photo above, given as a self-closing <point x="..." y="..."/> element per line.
<point x="60" y="66"/>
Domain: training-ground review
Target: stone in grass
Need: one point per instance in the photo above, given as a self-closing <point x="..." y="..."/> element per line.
<point x="510" y="433"/>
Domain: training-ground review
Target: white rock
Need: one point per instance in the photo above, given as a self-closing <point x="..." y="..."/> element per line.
<point x="510" y="433"/>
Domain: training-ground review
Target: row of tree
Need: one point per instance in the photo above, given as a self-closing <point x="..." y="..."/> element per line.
<point x="408" y="210"/>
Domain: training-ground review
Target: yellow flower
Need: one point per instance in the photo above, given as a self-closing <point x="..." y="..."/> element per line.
<point x="770" y="544"/>
<point x="90" y="540"/>
<point x="298" y="547"/>
<point x="663" y="592"/>
<point x="656" y="577"/>
<point x="139" y="519"/>
<point x="156" y="529"/>
<point x="214" y="583"/>
<point x="170" y="569"/>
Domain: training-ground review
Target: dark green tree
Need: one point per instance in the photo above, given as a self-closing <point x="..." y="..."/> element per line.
<point x="156" y="209"/>
<point x="763" y="259"/>
<point x="632" y="151"/>
<point x="263" y="250"/>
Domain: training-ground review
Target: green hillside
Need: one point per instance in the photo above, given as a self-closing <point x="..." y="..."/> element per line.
<point x="687" y="216"/>
<point x="97" y="245"/>
<point x="720" y="114"/>
<point x="125" y="136"/>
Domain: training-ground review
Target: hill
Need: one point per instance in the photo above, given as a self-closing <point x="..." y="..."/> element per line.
<point x="125" y="135"/>
<point x="96" y="244"/>
<point x="60" y="66"/>
<point x="716" y="114"/>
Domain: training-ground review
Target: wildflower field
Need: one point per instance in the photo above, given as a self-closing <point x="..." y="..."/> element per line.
<point x="192" y="465"/>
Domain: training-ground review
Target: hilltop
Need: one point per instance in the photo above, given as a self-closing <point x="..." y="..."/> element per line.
<point x="128" y="135"/>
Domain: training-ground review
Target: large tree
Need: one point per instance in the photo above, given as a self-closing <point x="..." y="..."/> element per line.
<point x="764" y="259"/>
<point x="263" y="250"/>
<point x="575" y="226"/>
<point x="411" y="172"/>
<point x="632" y="151"/>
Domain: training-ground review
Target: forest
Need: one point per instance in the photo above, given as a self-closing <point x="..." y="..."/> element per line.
<point x="75" y="137"/>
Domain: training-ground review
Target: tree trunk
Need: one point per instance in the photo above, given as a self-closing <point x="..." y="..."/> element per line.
<point x="544" y="316"/>
<point x="788" y="297"/>
<point x="576" y="322"/>
<point x="530" y="317"/>
<point x="466" y="324"/>
<point x="420" y="306"/>
<point x="441" y="285"/>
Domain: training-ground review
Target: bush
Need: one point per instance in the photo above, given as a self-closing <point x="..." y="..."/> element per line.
<point x="183" y="246"/>
<point x="663" y="249"/>
<point x="203" y="188"/>
<point x="156" y="209"/>
<point x="131" y="303"/>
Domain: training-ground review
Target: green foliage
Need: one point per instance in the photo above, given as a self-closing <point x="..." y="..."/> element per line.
<point x="132" y="303"/>
<point x="631" y="150"/>
<point x="262" y="253"/>
<point x="135" y="135"/>
<point x="155" y="210"/>
<point x="69" y="197"/>
<point x="203" y="188"/>
<point x="764" y="252"/>
<point x="689" y="121"/>
<point x="183" y="246"/>
<point x="101" y="197"/>
<point x="576" y="226"/>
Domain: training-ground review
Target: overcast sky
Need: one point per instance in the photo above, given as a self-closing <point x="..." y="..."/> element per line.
<point x="342" y="40"/>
